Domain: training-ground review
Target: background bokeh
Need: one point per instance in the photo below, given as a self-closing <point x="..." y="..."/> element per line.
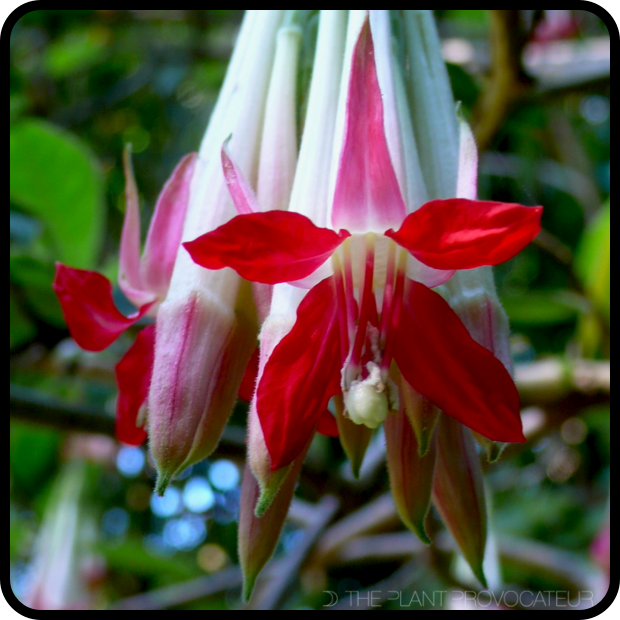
<point x="86" y="531"/>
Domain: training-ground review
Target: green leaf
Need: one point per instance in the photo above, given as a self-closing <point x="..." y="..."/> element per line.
<point x="593" y="259"/>
<point x="18" y="104"/>
<point x="56" y="177"/>
<point x="598" y="420"/>
<point x="35" y="280"/>
<point x="542" y="307"/>
<point x="468" y="15"/>
<point x="133" y="557"/>
<point x="23" y="229"/>
<point x="33" y="456"/>
<point x="75" y="51"/>
<point x="21" y="327"/>
<point x="477" y="17"/>
<point x="463" y="85"/>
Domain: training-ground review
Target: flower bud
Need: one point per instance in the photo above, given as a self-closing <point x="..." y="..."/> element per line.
<point x="64" y="547"/>
<point x="411" y="475"/>
<point x="205" y="331"/>
<point x="431" y="103"/>
<point x="258" y="536"/>
<point x="278" y="155"/>
<point x="309" y="196"/>
<point x="422" y="414"/>
<point x="472" y="293"/>
<point x="285" y="300"/>
<point x="458" y="491"/>
<point x="203" y="348"/>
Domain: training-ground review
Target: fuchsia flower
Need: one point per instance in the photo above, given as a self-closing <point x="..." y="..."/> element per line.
<point x="86" y="296"/>
<point x="371" y="306"/>
<point x="66" y="571"/>
<point x="180" y="380"/>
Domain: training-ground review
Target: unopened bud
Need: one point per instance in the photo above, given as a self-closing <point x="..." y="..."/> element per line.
<point x="411" y="475"/>
<point x="201" y="351"/>
<point x="258" y="536"/>
<point x="260" y="463"/>
<point x="422" y="414"/>
<point x="458" y="491"/>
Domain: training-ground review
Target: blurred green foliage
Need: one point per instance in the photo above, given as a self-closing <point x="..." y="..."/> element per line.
<point x="67" y="195"/>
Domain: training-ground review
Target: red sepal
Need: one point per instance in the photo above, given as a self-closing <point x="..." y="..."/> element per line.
<point x="248" y="383"/>
<point x="443" y="363"/>
<point x="463" y="234"/>
<point x="88" y="307"/>
<point x="133" y="377"/>
<point x="270" y="247"/>
<point x="300" y="376"/>
<point x="327" y="425"/>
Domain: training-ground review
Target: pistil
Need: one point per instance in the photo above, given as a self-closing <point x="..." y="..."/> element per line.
<point x="388" y="293"/>
<point x="366" y="305"/>
<point x="345" y="325"/>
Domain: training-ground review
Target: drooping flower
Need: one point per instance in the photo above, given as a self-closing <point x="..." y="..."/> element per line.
<point x="206" y="328"/>
<point x="370" y="332"/>
<point x="66" y="572"/>
<point x="376" y="307"/>
<point x="182" y="376"/>
<point x="266" y="494"/>
<point x="87" y="302"/>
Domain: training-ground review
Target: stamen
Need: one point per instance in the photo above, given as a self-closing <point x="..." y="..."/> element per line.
<point x="343" y="323"/>
<point x="388" y="293"/>
<point x="350" y="290"/>
<point x="367" y="301"/>
<point x="394" y="314"/>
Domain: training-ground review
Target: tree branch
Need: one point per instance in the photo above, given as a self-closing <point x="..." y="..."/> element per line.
<point x="182" y="593"/>
<point x="507" y="81"/>
<point x="35" y="406"/>
<point x="32" y="405"/>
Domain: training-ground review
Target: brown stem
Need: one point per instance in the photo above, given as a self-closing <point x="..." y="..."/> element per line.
<point x="507" y="81"/>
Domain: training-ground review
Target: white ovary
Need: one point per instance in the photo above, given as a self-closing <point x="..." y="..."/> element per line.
<point x="365" y="401"/>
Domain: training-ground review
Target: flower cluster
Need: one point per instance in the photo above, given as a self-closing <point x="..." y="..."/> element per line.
<point x="343" y="240"/>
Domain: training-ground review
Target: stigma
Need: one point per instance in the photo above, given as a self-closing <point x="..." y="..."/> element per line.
<point x="366" y="401"/>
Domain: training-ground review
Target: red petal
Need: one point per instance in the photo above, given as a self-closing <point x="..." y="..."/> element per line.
<point x="133" y="377"/>
<point x="88" y="307"/>
<point x="248" y="383"/>
<point x="367" y="196"/>
<point x="270" y="247"/>
<point x="327" y="424"/>
<point x="462" y="234"/>
<point x="442" y="362"/>
<point x="300" y="376"/>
